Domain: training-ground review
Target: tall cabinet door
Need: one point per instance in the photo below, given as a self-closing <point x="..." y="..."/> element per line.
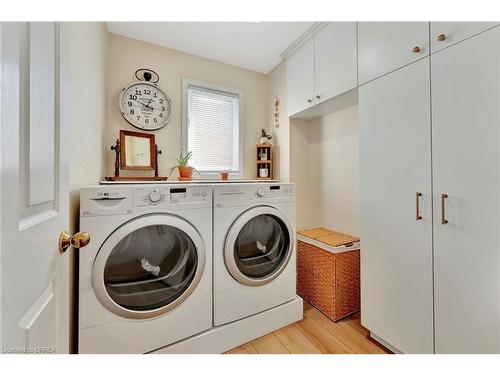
<point x="466" y="167"/>
<point x="396" y="251"/>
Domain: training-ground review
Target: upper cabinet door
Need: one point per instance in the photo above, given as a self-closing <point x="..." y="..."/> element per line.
<point x="445" y="34"/>
<point x="466" y="160"/>
<point x="335" y="60"/>
<point x="300" y="78"/>
<point x="387" y="46"/>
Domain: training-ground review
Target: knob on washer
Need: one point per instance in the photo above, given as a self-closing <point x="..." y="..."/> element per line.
<point x="260" y="192"/>
<point x="154" y="196"/>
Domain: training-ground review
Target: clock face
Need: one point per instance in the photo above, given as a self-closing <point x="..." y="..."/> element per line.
<point x="145" y="106"/>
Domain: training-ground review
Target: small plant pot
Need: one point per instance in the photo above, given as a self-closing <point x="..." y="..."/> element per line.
<point x="185" y="172"/>
<point x="224" y="175"/>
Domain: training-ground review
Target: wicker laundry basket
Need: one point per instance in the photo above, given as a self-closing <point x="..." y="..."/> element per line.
<point x="328" y="271"/>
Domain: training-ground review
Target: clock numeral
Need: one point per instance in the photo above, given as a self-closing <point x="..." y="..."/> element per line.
<point x="163" y="109"/>
<point x="160" y="115"/>
<point x="138" y="118"/>
<point x="129" y="104"/>
<point x="161" y="101"/>
<point x="146" y="121"/>
<point x="131" y="111"/>
<point x="132" y="97"/>
<point x="137" y="92"/>
<point x="147" y="92"/>
<point x="154" y="95"/>
<point x="155" y="120"/>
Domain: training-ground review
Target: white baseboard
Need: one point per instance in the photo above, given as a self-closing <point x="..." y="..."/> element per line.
<point x="223" y="338"/>
<point x="385" y="343"/>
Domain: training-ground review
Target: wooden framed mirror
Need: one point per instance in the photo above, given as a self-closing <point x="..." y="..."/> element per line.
<point x="137" y="151"/>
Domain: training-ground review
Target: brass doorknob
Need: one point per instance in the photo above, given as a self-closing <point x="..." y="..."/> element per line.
<point x="416" y="49"/>
<point x="78" y="240"/>
<point x="441" y="37"/>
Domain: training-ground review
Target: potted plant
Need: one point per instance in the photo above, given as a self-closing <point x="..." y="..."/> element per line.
<point x="265" y="136"/>
<point x="185" y="171"/>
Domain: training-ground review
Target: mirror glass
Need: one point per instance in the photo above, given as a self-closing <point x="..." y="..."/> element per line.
<point x="138" y="151"/>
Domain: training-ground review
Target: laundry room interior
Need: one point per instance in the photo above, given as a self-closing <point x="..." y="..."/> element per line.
<point x="244" y="187"/>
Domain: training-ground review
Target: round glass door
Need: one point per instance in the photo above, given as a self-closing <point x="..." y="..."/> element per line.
<point x="258" y="246"/>
<point x="148" y="266"/>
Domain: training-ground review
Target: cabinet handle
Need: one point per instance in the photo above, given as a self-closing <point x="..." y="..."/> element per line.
<point x="418" y="216"/>
<point x="309" y="100"/>
<point x="318" y="96"/>
<point x="416" y="49"/>
<point x="441" y="37"/>
<point x="443" y="215"/>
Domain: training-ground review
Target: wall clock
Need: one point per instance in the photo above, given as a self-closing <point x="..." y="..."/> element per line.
<point x="144" y="105"/>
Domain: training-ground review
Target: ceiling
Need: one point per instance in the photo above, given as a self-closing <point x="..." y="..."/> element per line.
<point x="252" y="45"/>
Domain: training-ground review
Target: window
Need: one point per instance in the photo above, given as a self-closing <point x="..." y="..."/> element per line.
<point x="211" y="127"/>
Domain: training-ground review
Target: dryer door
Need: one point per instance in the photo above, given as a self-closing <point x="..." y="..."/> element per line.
<point x="258" y="246"/>
<point x="148" y="266"/>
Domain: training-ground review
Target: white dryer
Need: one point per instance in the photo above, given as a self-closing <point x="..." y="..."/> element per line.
<point x="254" y="249"/>
<point x="145" y="279"/>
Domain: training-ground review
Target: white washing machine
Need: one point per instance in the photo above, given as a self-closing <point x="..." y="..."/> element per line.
<point x="254" y="249"/>
<point x="145" y="279"/>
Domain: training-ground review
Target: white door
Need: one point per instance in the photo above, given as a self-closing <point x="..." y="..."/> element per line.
<point x="466" y="167"/>
<point x="300" y="78"/>
<point x="396" y="251"/>
<point x="335" y="60"/>
<point x="387" y="46"/>
<point x="445" y="34"/>
<point x="34" y="188"/>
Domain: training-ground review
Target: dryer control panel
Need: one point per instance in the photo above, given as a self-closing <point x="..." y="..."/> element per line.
<point x="238" y="194"/>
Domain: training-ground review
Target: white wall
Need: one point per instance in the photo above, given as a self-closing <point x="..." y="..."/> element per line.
<point x="325" y="166"/>
<point x="277" y="89"/>
<point x="87" y="79"/>
<point x="126" y="55"/>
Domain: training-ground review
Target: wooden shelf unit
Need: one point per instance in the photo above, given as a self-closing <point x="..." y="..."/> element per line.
<point x="267" y="150"/>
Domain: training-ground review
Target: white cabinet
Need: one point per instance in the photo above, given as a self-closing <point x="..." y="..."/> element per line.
<point x="300" y="78"/>
<point x="395" y="162"/>
<point x="445" y="34"/>
<point x="335" y="60"/>
<point x="398" y="256"/>
<point x="387" y="46"/>
<point x="324" y="67"/>
<point x="466" y="159"/>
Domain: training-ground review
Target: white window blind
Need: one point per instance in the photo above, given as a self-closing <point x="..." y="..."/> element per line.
<point x="213" y="129"/>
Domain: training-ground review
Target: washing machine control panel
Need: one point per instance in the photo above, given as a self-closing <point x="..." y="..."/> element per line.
<point x="160" y="197"/>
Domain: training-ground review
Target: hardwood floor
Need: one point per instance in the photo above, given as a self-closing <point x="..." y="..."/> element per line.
<point x="315" y="334"/>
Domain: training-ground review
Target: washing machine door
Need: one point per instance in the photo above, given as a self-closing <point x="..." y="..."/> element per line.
<point x="148" y="266"/>
<point x="258" y="246"/>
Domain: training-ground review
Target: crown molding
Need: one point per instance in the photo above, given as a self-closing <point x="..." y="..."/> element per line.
<point x="313" y="30"/>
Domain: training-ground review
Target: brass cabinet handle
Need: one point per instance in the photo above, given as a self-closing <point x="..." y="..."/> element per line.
<point x="78" y="240"/>
<point x="418" y="216"/>
<point x="441" y="37"/>
<point x="416" y="49"/>
<point x="443" y="215"/>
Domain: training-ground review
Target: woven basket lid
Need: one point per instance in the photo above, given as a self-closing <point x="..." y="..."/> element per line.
<point x="328" y="236"/>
